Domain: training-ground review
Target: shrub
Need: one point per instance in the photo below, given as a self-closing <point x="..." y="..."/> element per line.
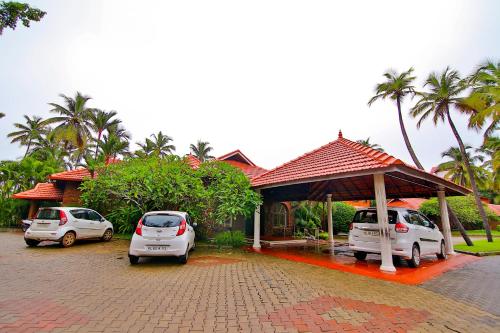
<point x="124" y="219"/>
<point x="342" y="214"/>
<point x="230" y="238"/>
<point x="464" y="207"/>
<point x="498" y="227"/>
<point x="323" y="235"/>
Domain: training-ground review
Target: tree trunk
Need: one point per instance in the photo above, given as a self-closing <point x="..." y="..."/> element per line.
<point x="471" y="176"/>
<point x="97" y="144"/>
<point x="456" y="223"/>
<point x="405" y="137"/>
<point x="27" y="148"/>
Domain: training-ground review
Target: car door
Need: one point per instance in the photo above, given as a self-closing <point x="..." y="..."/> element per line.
<point x="421" y="233"/>
<point x="190" y="230"/>
<point x="96" y="223"/>
<point x="81" y="223"/>
<point x="433" y="236"/>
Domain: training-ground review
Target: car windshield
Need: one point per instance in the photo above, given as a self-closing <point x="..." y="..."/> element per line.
<point x="48" y="214"/>
<point x="370" y="216"/>
<point x="162" y="220"/>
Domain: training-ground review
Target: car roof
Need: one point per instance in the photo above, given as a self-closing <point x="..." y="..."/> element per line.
<point x="166" y="212"/>
<point x="398" y="209"/>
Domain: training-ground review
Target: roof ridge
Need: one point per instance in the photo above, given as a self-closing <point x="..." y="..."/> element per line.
<point x="296" y="159"/>
<point x="376" y="155"/>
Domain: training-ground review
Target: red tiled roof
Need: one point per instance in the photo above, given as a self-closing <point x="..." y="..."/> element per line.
<point x="42" y="191"/>
<point x="494" y="208"/>
<point x="339" y="156"/>
<point x="193" y="161"/>
<point x="411" y="203"/>
<point x="236" y="155"/>
<point x="250" y="170"/>
<point x="76" y="175"/>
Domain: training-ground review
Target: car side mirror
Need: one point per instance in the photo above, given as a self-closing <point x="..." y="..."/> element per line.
<point x="102" y="219"/>
<point x="195" y="224"/>
<point x="433" y="226"/>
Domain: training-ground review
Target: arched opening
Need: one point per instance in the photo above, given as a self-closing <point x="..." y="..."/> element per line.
<point x="279" y="219"/>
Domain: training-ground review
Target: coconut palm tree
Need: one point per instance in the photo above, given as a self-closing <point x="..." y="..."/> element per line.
<point x="445" y="90"/>
<point x="28" y="133"/>
<point x="100" y="121"/>
<point x="73" y="120"/>
<point x="397" y="87"/>
<point x="201" y="150"/>
<point x="483" y="103"/>
<point x="158" y="146"/>
<point x="367" y="143"/>
<point x="112" y="146"/>
<point x="455" y="169"/>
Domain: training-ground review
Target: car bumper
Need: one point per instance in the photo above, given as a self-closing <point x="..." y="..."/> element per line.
<point x="173" y="247"/>
<point x="55" y="236"/>
<point x="401" y="249"/>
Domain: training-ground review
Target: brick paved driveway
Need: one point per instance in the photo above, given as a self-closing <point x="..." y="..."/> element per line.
<point x="92" y="288"/>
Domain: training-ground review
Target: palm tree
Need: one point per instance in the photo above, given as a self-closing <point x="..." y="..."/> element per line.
<point x="455" y="168"/>
<point x="74" y="120"/>
<point x="201" y="150"/>
<point x="367" y="143"/>
<point x="397" y="87"/>
<point x="99" y="122"/>
<point x="29" y="133"/>
<point x="445" y="90"/>
<point x="159" y="146"/>
<point x="483" y="103"/>
<point x="112" y="146"/>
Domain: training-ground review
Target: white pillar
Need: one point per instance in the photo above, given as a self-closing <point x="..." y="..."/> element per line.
<point x="329" y="217"/>
<point x="445" y="221"/>
<point x="383" y="223"/>
<point x="256" y="227"/>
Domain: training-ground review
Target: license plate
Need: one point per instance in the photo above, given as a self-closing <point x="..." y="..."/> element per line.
<point x="156" y="248"/>
<point x="371" y="233"/>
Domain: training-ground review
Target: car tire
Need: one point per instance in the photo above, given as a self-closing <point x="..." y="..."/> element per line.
<point x="134" y="260"/>
<point x="184" y="258"/>
<point x="360" y="255"/>
<point x="108" y="234"/>
<point x="193" y="247"/>
<point x="31" y="242"/>
<point x="414" y="262"/>
<point x="442" y="251"/>
<point x="68" y="239"/>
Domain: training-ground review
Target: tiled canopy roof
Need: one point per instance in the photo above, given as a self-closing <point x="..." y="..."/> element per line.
<point x="336" y="157"/>
<point x="76" y="175"/>
<point x="42" y="191"/>
<point x="193" y="161"/>
<point x="251" y="171"/>
<point x="236" y="155"/>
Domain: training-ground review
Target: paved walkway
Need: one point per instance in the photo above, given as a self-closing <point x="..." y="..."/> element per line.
<point x="92" y="288"/>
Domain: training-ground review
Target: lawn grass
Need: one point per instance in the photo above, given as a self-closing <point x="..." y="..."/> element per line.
<point x="480" y="246"/>
<point x="494" y="233"/>
<point x="123" y="236"/>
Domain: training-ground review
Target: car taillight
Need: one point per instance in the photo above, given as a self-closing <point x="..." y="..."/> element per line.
<point x="400" y="227"/>
<point x="62" y="218"/>
<point x="182" y="228"/>
<point x="351" y="226"/>
<point x="138" y="230"/>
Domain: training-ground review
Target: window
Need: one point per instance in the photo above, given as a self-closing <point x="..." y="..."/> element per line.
<point x="94" y="216"/>
<point x="278" y="215"/>
<point x="79" y="214"/>
<point x="370" y="216"/>
<point x="425" y="221"/>
<point x="47" y="214"/>
<point x="162" y="220"/>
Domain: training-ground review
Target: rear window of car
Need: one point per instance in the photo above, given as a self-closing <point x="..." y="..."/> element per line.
<point x="161" y="220"/>
<point x="370" y="216"/>
<point x="47" y="214"/>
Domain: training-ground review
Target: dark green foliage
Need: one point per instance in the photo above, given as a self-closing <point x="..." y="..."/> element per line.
<point x="230" y="238"/>
<point x="342" y="216"/>
<point x="307" y="216"/>
<point x="464" y="207"/>
<point x="213" y="194"/>
<point x="11" y="12"/>
<point x="498" y="227"/>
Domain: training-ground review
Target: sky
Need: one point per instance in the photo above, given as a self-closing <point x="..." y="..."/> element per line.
<point x="274" y="79"/>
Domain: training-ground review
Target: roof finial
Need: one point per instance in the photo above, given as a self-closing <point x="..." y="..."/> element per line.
<point x="340" y="134"/>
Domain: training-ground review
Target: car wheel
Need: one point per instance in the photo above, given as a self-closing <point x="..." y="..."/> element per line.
<point x="31" y="242"/>
<point x="193" y="247"/>
<point x="184" y="258"/>
<point x="68" y="239"/>
<point x="134" y="260"/>
<point x="415" y="257"/>
<point x="442" y="254"/>
<point x="360" y="255"/>
<point x="108" y="234"/>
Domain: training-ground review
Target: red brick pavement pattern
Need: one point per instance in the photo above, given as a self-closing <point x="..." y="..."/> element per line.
<point x="207" y="261"/>
<point x="36" y="315"/>
<point x="333" y="314"/>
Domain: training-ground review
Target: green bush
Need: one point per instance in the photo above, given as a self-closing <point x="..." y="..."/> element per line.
<point x="464" y="207"/>
<point x="323" y="235"/>
<point x="498" y="227"/>
<point x="307" y="216"/>
<point x="342" y="214"/>
<point x="230" y="238"/>
<point x="124" y="219"/>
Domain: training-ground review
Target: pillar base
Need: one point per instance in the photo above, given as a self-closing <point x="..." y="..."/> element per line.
<point x="389" y="269"/>
<point x="256" y="246"/>
<point x="451" y="253"/>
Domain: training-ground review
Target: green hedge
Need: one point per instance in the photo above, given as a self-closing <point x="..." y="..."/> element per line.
<point x="230" y="238"/>
<point x="464" y="207"/>
<point x="342" y="214"/>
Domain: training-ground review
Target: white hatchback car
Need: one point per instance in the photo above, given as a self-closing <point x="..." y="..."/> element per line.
<point x="66" y="225"/>
<point x="162" y="234"/>
<point x="412" y="235"/>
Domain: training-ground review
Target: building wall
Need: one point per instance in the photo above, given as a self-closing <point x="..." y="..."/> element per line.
<point x="71" y="195"/>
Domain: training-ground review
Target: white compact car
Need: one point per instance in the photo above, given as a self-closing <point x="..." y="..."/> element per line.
<point x="162" y="234"/>
<point x="66" y="225"/>
<point x="412" y="235"/>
